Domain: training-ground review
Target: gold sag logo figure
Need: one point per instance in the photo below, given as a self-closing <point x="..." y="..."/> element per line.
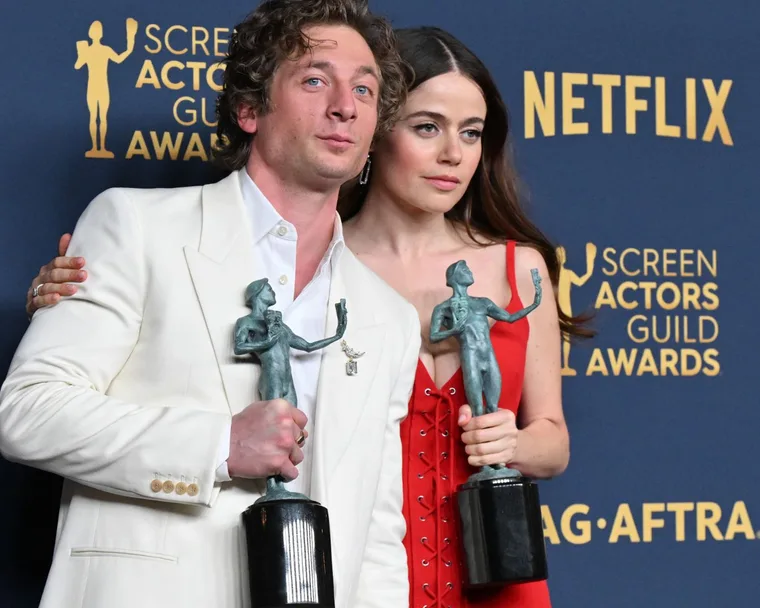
<point x="568" y="278"/>
<point x="96" y="57"/>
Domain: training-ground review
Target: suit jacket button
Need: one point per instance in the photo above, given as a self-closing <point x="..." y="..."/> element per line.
<point x="168" y="486"/>
<point x="192" y="490"/>
<point x="156" y="485"/>
<point x="180" y="488"/>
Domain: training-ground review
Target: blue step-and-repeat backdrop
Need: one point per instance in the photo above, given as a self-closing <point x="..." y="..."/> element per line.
<point x="636" y="132"/>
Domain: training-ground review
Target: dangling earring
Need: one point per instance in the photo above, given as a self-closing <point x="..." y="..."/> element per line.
<point x="364" y="177"/>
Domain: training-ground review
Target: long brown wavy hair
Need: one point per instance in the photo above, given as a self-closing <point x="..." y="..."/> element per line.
<point x="274" y="32"/>
<point x="491" y="210"/>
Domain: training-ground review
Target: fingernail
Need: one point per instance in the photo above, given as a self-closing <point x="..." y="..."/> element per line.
<point x="80" y="275"/>
<point x="462" y="418"/>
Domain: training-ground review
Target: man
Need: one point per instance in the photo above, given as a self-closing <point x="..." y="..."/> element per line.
<point x="131" y="390"/>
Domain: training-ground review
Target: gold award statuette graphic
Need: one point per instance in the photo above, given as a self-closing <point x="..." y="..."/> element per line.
<point x="96" y="57"/>
<point x="568" y="279"/>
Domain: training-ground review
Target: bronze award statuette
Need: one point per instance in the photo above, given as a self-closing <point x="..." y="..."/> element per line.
<point x="498" y="509"/>
<point x="287" y="533"/>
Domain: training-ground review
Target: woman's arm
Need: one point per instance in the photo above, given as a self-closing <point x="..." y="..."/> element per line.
<point x="543" y="442"/>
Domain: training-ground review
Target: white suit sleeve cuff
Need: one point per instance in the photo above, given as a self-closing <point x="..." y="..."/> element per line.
<point x="222" y="473"/>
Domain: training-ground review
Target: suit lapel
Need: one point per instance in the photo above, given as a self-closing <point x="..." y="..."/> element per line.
<point x="341" y="398"/>
<point x="221" y="269"/>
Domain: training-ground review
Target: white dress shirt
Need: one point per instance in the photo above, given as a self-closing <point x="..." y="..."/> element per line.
<point x="274" y="252"/>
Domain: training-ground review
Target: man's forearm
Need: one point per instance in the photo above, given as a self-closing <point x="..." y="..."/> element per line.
<point x="111" y="445"/>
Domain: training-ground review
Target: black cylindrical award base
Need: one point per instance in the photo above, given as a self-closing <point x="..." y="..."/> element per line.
<point x="289" y="556"/>
<point x="502" y="532"/>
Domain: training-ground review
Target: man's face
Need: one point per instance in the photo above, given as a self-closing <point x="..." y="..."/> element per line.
<point x="323" y="112"/>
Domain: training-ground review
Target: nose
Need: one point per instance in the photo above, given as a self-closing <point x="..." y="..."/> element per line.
<point x="342" y="104"/>
<point x="451" y="150"/>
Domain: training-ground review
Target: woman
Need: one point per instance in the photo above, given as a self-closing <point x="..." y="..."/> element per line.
<point x="439" y="188"/>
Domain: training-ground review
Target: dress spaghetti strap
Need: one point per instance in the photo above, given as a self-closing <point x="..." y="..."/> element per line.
<point x="511" y="276"/>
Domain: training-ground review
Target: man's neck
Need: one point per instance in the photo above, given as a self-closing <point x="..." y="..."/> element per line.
<point x="311" y="212"/>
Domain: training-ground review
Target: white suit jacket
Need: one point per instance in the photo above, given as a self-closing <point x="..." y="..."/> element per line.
<point x="124" y="390"/>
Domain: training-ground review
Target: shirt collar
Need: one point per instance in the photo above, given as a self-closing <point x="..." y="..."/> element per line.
<point x="336" y="246"/>
<point x="265" y="220"/>
<point x="264" y="217"/>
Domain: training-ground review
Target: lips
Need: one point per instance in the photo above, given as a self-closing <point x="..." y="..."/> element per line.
<point x="444" y="178"/>
<point x="444" y="183"/>
<point x="341" y="139"/>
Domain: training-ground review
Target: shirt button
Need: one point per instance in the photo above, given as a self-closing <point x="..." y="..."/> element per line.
<point x="168" y="486"/>
<point x="192" y="490"/>
<point x="282" y="231"/>
<point x="180" y="488"/>
<point x="156" y="485"/>
<point x="283" y="280"/>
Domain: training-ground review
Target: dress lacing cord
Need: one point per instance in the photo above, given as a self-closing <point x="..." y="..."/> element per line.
<point x="439" y="420"/>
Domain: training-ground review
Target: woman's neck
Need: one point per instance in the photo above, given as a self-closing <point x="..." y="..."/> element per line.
<point x="385" y="225"/>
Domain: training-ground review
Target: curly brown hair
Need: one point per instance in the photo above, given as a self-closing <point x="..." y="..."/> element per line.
<point x="275" y="31"/>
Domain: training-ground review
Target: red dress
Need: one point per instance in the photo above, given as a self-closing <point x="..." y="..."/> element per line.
<point x="435" y="463"/>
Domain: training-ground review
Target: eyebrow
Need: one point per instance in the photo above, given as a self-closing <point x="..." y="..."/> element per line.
<point x="328" y="66"/>
<point x="474" y="120"/>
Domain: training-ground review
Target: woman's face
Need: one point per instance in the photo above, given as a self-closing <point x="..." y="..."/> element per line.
<point x="427" y="161"/>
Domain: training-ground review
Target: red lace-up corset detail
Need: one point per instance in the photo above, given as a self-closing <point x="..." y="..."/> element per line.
<point x="431" y="490"/>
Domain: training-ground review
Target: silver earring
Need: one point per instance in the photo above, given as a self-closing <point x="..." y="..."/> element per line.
<point x="364" y="177"/>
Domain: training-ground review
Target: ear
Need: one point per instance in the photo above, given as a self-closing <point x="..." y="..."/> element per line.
<point x="246" y="118"/>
